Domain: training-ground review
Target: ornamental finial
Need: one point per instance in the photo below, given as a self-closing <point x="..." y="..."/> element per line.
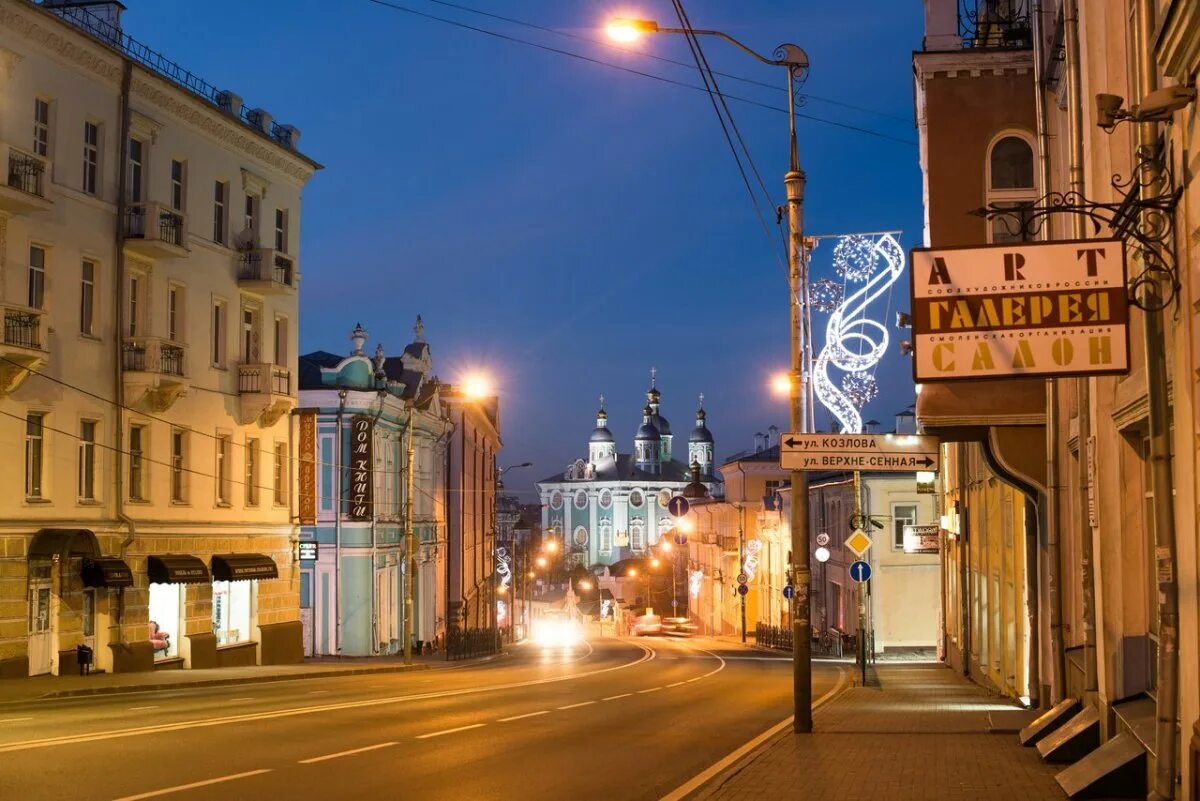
<point x="653" y="377"/>
<point x="601" y="401"/>
<point x="419" y="329"/>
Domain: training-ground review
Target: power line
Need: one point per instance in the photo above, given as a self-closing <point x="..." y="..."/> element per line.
<point x="610" y="65"/>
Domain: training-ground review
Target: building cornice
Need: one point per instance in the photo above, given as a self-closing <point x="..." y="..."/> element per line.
<point x="971" y="63"/>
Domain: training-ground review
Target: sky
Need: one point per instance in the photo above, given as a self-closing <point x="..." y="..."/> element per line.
<point x="561" y="225"/>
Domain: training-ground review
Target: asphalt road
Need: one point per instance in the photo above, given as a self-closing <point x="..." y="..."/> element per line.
<point x="611" y="719"/>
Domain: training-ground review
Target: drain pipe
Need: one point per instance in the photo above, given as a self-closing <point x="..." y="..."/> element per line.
<point x="1032" y="585"/>
<point x="337" y="528"/>
<point x="964" y="560"/>
<point x="118" y="339"/>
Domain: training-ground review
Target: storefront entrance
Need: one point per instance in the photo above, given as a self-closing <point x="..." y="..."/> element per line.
<point x="41" y="633"/>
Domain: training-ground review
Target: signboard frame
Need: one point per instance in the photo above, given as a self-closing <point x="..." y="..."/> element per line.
<point x="362" y="466"/>
<point x="920" y="537"/>
<point x="851" y="446"/>
<point x="309" y="550"/>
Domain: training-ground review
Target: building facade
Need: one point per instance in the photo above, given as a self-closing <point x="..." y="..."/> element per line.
<point x="149" y="264"/>
<point x="612" y="506"/>
<point x="356" y="414"/>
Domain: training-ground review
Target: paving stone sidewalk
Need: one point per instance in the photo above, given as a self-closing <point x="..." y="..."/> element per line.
<point x="922" y="733"/>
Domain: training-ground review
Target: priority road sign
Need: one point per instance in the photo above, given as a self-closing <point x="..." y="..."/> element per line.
<point x="859" y="543"/>
<point x="860" y="571"/>
<point x="678" y="506"/>
<point x="890" y="453"/>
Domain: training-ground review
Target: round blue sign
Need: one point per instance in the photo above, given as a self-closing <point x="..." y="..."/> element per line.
<point x="788" y="592"/>
<point x="678" y="506"/>
<point x="681" y="539"/>
<point x="743" y="589"/>
<point x="860" y="571"/>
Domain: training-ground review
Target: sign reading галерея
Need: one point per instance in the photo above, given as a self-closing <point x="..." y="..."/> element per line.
<point x="1020" y="309"/>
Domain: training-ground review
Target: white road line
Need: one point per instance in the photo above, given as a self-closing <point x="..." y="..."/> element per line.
<point x="697" y="781"/>
<point x="450" y="731"/>
<point x="318" y="692"/>
<point x="193" y="785"/>
<point x="676" y="684"/>
<point x="13" y="720"/>
<point x="697" y="678"/>
<point x="651" y="690"/>
<point x="345" y="753"/>
<point x="615" y="697"/>
<point x="526" y="715"/>
<point x="140" y="708"/>
<point x="576" y="706"/>
<point x="247" y="698"/>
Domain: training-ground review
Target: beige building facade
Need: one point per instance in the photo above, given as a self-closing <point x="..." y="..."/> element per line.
<point x="149" y="268"/>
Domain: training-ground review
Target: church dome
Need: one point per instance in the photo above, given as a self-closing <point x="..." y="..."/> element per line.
<point x="660" y="422"/>
<point x="701" y="434"/>
<point x="601" y="434"/>
<point x="647" y="432"/>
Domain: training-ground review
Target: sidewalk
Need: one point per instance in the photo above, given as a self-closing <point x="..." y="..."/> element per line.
<point x="923" y="733"/>
<point x="43" y="687"/>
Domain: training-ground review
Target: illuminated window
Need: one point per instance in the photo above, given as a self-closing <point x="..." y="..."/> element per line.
<point x="1011" y="185"/>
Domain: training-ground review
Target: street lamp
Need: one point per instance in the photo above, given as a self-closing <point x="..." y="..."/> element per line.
<point x="477" y="387"/>
<point x="795" y="61"/>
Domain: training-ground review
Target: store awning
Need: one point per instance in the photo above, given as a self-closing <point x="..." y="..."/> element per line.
<point x="176" y="569"/>
<point x="63" y="543"/>
<point x="243" y="566"/>
<point x="107" y="572"/>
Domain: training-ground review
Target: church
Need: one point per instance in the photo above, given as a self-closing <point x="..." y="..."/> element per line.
<point x="612" y="506"/>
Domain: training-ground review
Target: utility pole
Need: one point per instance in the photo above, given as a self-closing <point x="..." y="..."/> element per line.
<point x="410" y="541"/>
<point x="742" y="564"/>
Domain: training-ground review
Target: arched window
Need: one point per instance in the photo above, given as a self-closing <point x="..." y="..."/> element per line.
<point x="637" y="535"/>
<point x="1011" y="184"/>
<point x="605" y="535"/>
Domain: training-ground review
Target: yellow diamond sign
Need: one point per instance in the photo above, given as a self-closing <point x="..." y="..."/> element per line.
<point x="858" y="542"/>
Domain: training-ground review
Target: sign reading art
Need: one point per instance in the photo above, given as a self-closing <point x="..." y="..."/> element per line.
<point x="1021" y="309"/>
<point x="362" y="442"/>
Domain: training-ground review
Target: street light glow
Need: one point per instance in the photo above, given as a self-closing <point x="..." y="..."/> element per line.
<point x="551" y="546"/>
<point x="477" y="386"/>
<point x="542" y="562"/>
<point x="632" y="571"/>
<point x="685" y="525"/>
<point x="585" y="585"/>
<point x="781" y="384"/>
<point x="625" y="30"/>
<point x="654" y="562"/>
<point x="666" y="546"/>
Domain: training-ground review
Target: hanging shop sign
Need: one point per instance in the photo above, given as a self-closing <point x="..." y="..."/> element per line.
<point x="921" y="539"/>
<point x="1020" y="309"/>
<point x="362" y="443"/>
<point x="308" y="469"/>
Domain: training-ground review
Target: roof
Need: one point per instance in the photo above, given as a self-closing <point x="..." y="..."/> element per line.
<point x="770" y="454"/>
<point x="623" y="468"/>
<point x="310" y="367"/>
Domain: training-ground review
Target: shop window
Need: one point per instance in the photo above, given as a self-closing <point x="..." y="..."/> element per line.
<point x="231" y="611"/>
<point x="165" y="619"/>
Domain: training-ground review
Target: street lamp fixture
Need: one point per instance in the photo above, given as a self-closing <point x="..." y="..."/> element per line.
<point x="665" y="545"/>
<point x="542" y="561"/>
<point x="781" y="385"/>
<point x="632" y="572"/>
<point x="654" y="562"/>
<point x="585" y="585"/>
<point x="477" y="386"/>
<point x="630" y="30"/>
<point x="551" y="546"/>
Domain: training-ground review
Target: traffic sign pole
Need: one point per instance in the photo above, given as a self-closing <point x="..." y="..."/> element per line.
<point x="862" y="588"/>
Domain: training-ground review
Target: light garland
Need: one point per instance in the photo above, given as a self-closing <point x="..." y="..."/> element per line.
<point x="825" y="295"/>
<point x="849" y="327"/>
<point x="695" y="581"/>
<point x="504" y="566"/>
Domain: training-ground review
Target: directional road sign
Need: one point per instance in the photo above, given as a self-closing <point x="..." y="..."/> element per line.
<point x="681" y="539"/>
<point x="743" y="589"/>
<point x="891" y="453"/>
<point x="859" y="543"/>
<point x="860" y="571"/>
<point x="678" y="506"/>
<point x="788" y="592"/>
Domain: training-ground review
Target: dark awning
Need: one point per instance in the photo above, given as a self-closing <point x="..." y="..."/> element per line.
<point x="243" y="566"/>
<point x="176" y="569"/>
<point x="64" y="543"/>
<point x="107" y="572"/>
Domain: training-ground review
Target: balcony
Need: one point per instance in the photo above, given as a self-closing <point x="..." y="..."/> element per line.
<point x="23" y="349"/>
<point x="154" y="230"/>
<point x="26" y="176"/>
<point x="154" y="372"/>
<point x="995" y="24"/>
<point x="267" y="271"/>
<point x="265" y="392"/>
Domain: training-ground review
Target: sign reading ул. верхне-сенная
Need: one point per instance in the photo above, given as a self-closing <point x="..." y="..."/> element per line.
<point x="1020" y="309"/>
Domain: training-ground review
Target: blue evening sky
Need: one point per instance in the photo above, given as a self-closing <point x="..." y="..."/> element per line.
<point x="559" y="224"/>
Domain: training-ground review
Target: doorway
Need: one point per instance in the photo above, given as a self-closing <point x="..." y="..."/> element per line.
<point x="40" y="634"/>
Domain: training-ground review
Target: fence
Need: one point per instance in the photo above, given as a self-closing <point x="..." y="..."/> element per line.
<point x="468" y="643"/>
<point x="830" y="642"/>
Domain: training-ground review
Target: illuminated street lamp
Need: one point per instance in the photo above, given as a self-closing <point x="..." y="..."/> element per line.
<point x="542" y="561"/>
<point x="477" y="386"/>
<point x="781" y="385"/>
<point x="630" y="30"/>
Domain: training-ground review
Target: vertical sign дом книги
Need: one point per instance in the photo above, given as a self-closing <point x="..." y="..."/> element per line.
<point x="362" y="430"/>
<point x="1021" y="309"/>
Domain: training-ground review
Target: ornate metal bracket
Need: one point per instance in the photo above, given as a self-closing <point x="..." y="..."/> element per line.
<point x="1144" y="218"/>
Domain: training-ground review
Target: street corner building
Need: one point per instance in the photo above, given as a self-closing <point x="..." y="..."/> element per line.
<point x="406" y="454"/>
<point x="149" y="265"/>
<point x="1055" y="141"/>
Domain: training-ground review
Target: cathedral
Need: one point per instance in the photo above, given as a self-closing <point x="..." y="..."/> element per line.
<point x="612" y="505"/>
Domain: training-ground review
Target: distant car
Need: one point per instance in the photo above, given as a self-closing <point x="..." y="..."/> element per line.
<point x="678" y="627"/>
<point x="556" y="630"/>
<point x="647" y="624"/>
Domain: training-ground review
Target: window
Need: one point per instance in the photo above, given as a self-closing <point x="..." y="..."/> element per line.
<point x="165" y="620"/>
<point x="34" y="454"/>
<point x="605" y="536"/>
<point x="41" y="127"/>
<point x="174" y="313"/>
<point x="137" y="465"/>
<point x="252" y="472"/>
<point x="222" y="470"/>
<point x="178" y="466"/>
<point x="903" y="514"/>
<point x="134" y="174"/>
<point x="37" y="277"/>
<point x="281" y="341"/>
<point x="87" y="460"/>
<point x="1011" y="185"/>
<point x="249" y="340"/>
<point x="220" y="192"/>
<point x="637" y="535"/>
<point x="250" y="206"/>
<point x="177" y="194"/>
<point x="231" y="601"/>
<point x="218" y="334"/>
<point x="89" y="612"/>
<point x="281" y="455"/>
<point x="91" y="158"/>
<point x="281" y="230"/>
<point x="135" y="285"/>
<point x="87" y="298"/>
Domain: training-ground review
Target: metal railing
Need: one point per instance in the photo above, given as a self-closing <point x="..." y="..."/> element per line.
<point x="277" y="380"/>
<point x="250" y="265"/>
<point x="133" y="357"/>
<point x="282" y="271"/>
<point x="152" y="355"/>
<point x="995" y="24"/>
<point x="170" y="359"/>
<point x="830" y="642"/>
<point x="170" y="224"/>
<point x="25" y="172"/>
<point x="468" y="643"/>
<point x="22" y="329"/>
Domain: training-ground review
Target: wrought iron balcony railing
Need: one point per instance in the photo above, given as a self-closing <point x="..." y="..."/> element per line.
<point x="151" y="221"/>
<point x="23" y="328"/>
<point x="995" y="24"/>
<point x="264" y="378"/>
<point x="26" y="172"/>
<point x="152" y="355"/>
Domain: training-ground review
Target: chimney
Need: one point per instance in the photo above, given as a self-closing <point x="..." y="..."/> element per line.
<point x="941" y="25"/>
<point x="758" y="438"/>
<point x="906" y="422"/>
<point x="871" y="427"/>
<point x="772" y="436"/>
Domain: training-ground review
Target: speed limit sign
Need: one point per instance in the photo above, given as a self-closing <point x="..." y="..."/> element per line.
<point x="822" y="539"/>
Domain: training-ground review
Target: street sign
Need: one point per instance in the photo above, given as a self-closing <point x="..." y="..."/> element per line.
<point x="921" y="539"/>
<point x="681" y="539"/>
<point x="860" y="571"/>
<point x="743" y="589"/>
<point x="788" y="592"/>
<point x="742" y="578"/>
<point x="678" y="506"/>
<point x="309" y="551"/>
<point x="822" y="539"/>
<point x="890" y="453"/>
<point x="859" y="543"/>
<point x="1020" y="309"/>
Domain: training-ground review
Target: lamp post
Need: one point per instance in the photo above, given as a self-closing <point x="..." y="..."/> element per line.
<point x="795" y="61"/>
<point x="496" y="527"/>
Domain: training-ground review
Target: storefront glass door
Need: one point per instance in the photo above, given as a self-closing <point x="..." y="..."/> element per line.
<point x="40" y="634"/>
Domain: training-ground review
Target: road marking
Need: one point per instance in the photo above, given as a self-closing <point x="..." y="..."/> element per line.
<point x="697" y="678"/>
<point x="700" y="779"/>
<point x="318" y="692"/>
<point x="345" y="753"/>
<point x="140" y="708"/>
<point x="676" y="684"/>
<point x="158" y="728"/>
<point x="193" y="785"/>
<point x="450" y="731"/>
<point x="247" y="698"/>
<point x="651" y="690"/>
<point x="526" y="715"/>
<point x="576" y="706"/>
<point x="615" y="697"/>
<point x="13" y="720"/>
